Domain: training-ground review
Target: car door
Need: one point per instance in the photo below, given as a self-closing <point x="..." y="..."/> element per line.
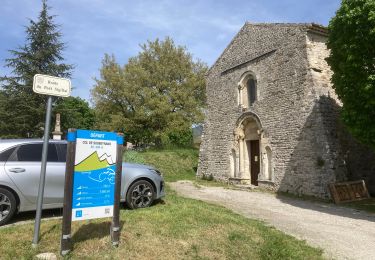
<point x="23" y="167"/>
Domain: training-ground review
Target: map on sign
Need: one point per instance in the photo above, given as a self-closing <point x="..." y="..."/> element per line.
<point x="94" y="175"/>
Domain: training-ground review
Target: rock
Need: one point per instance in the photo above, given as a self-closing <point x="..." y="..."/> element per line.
<point x="47" y="256"/>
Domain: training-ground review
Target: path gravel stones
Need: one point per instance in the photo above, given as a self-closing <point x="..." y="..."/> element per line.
<point x="341" y="232"/>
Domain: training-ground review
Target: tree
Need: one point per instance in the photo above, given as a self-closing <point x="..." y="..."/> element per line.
<point x="75" y="113"/>
<point x="24" y="111"/>
<point x="155" y="98"/>
<point x="352" y="59"/>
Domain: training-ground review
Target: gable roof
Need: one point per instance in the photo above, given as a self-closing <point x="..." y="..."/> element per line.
<point x="310" y="27"/>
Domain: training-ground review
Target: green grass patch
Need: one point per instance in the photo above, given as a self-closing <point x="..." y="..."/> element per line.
<point x="134" y="157"/>
<point x="179" y="228"/>
<point x="175" y="164"/>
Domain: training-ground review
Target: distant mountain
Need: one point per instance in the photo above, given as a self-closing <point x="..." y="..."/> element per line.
<point x="93" y="162"/>
<point x="107" y="157"/>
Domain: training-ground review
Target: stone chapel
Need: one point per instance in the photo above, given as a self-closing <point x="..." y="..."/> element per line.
<point x="272" y="116"/>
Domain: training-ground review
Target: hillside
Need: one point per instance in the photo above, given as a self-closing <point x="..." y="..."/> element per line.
<point x="175" y="164"/>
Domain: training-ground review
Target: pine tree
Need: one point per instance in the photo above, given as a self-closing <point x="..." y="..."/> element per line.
<point x="22" y="114"/>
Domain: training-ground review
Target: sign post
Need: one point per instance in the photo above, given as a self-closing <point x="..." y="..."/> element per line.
<point x="68" y="188"/>
<point x="115" y="226"/>
<point x="92" y="181"/>
<point x="51" y="86"/>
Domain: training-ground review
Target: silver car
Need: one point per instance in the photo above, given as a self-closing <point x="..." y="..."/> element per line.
<point x="20" y="162"/>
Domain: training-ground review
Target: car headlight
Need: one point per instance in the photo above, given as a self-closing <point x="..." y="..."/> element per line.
<point x="155" y="171"/>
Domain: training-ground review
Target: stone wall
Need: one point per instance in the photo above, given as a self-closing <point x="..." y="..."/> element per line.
<point x="279" y="74"/>
<point x="297" y="108"/>
<point x="314" y="162"/>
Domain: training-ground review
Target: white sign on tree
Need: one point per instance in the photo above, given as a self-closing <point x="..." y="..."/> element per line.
<point x="52" y="86"/>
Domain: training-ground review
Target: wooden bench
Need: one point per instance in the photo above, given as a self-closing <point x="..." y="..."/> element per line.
<point x="348" y="191"/>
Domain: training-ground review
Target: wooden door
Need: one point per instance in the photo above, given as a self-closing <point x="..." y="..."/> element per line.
<point x="254" y="161"/>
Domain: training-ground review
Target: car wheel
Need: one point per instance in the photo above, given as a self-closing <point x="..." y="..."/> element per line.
<point x="8" y="206"/>
<point x="141" y="194"/>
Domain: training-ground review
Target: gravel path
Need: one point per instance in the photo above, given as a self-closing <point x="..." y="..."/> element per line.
<point x="342" y="233"/>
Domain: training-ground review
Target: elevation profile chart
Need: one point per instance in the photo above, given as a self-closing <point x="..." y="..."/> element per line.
<point x="94" y="175"/>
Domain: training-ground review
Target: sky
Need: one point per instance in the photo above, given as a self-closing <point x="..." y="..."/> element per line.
<point x="91" y="28"/>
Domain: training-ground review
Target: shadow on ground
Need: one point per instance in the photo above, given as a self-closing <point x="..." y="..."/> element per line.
<point x="327" y="207"/>
<point x="324" y="153"/>
<point x="93" y="231"/>
<point x="30" y="215"/>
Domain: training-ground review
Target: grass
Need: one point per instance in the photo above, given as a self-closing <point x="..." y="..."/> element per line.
<point x="175" y="164"/>
<point x="177" y="229"/>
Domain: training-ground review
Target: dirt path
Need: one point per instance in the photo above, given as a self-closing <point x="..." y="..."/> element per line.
<point x="341" y="232"/>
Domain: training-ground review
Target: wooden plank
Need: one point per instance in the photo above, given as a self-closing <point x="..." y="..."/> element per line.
<point x="348" y="191"/>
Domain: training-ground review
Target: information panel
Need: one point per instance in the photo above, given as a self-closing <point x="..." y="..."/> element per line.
<point x="94" y="175"/>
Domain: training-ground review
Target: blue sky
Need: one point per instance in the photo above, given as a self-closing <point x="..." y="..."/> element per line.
<point x="91" y="28"/>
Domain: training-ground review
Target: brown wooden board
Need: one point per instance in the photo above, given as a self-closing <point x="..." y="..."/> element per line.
<point x="349" y="191"/>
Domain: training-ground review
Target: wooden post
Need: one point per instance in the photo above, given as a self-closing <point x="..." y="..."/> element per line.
<point x="115" y="225"/>
<point x="66" y="244"/>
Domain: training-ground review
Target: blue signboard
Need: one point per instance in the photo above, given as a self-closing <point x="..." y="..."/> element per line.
<point x="94" y="174"/>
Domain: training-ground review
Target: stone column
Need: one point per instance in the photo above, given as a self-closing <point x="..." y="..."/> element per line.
<point x="242" y="159"/>
<point x="237" y="165"/>
<point x="57" y="133"/>
<point x="240" y="88"/>
<point x="239" y="137"/>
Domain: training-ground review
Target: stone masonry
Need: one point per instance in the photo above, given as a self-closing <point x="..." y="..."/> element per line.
<point x="295" y="116"/>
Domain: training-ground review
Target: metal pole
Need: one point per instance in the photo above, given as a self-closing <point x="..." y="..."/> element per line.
<point x="42" y="173"/>
<point x="115" y="225"/>
<point x="66" y="243"/>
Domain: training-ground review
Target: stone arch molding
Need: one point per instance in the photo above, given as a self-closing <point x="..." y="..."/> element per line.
<point x="245" y="76"/>
<point x="239" y="156"/>
<point x="239" y="133"/>
<point x="243" y="96"/>
<point x="251" y="115"/>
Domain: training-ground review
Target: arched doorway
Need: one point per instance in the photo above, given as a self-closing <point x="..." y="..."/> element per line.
<point x="247" y="134"/>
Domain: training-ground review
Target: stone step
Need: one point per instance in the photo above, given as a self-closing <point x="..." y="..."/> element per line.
<point x="245" y="187"/>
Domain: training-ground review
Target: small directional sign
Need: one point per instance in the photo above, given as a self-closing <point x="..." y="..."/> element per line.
<point x="52" y="86"/>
